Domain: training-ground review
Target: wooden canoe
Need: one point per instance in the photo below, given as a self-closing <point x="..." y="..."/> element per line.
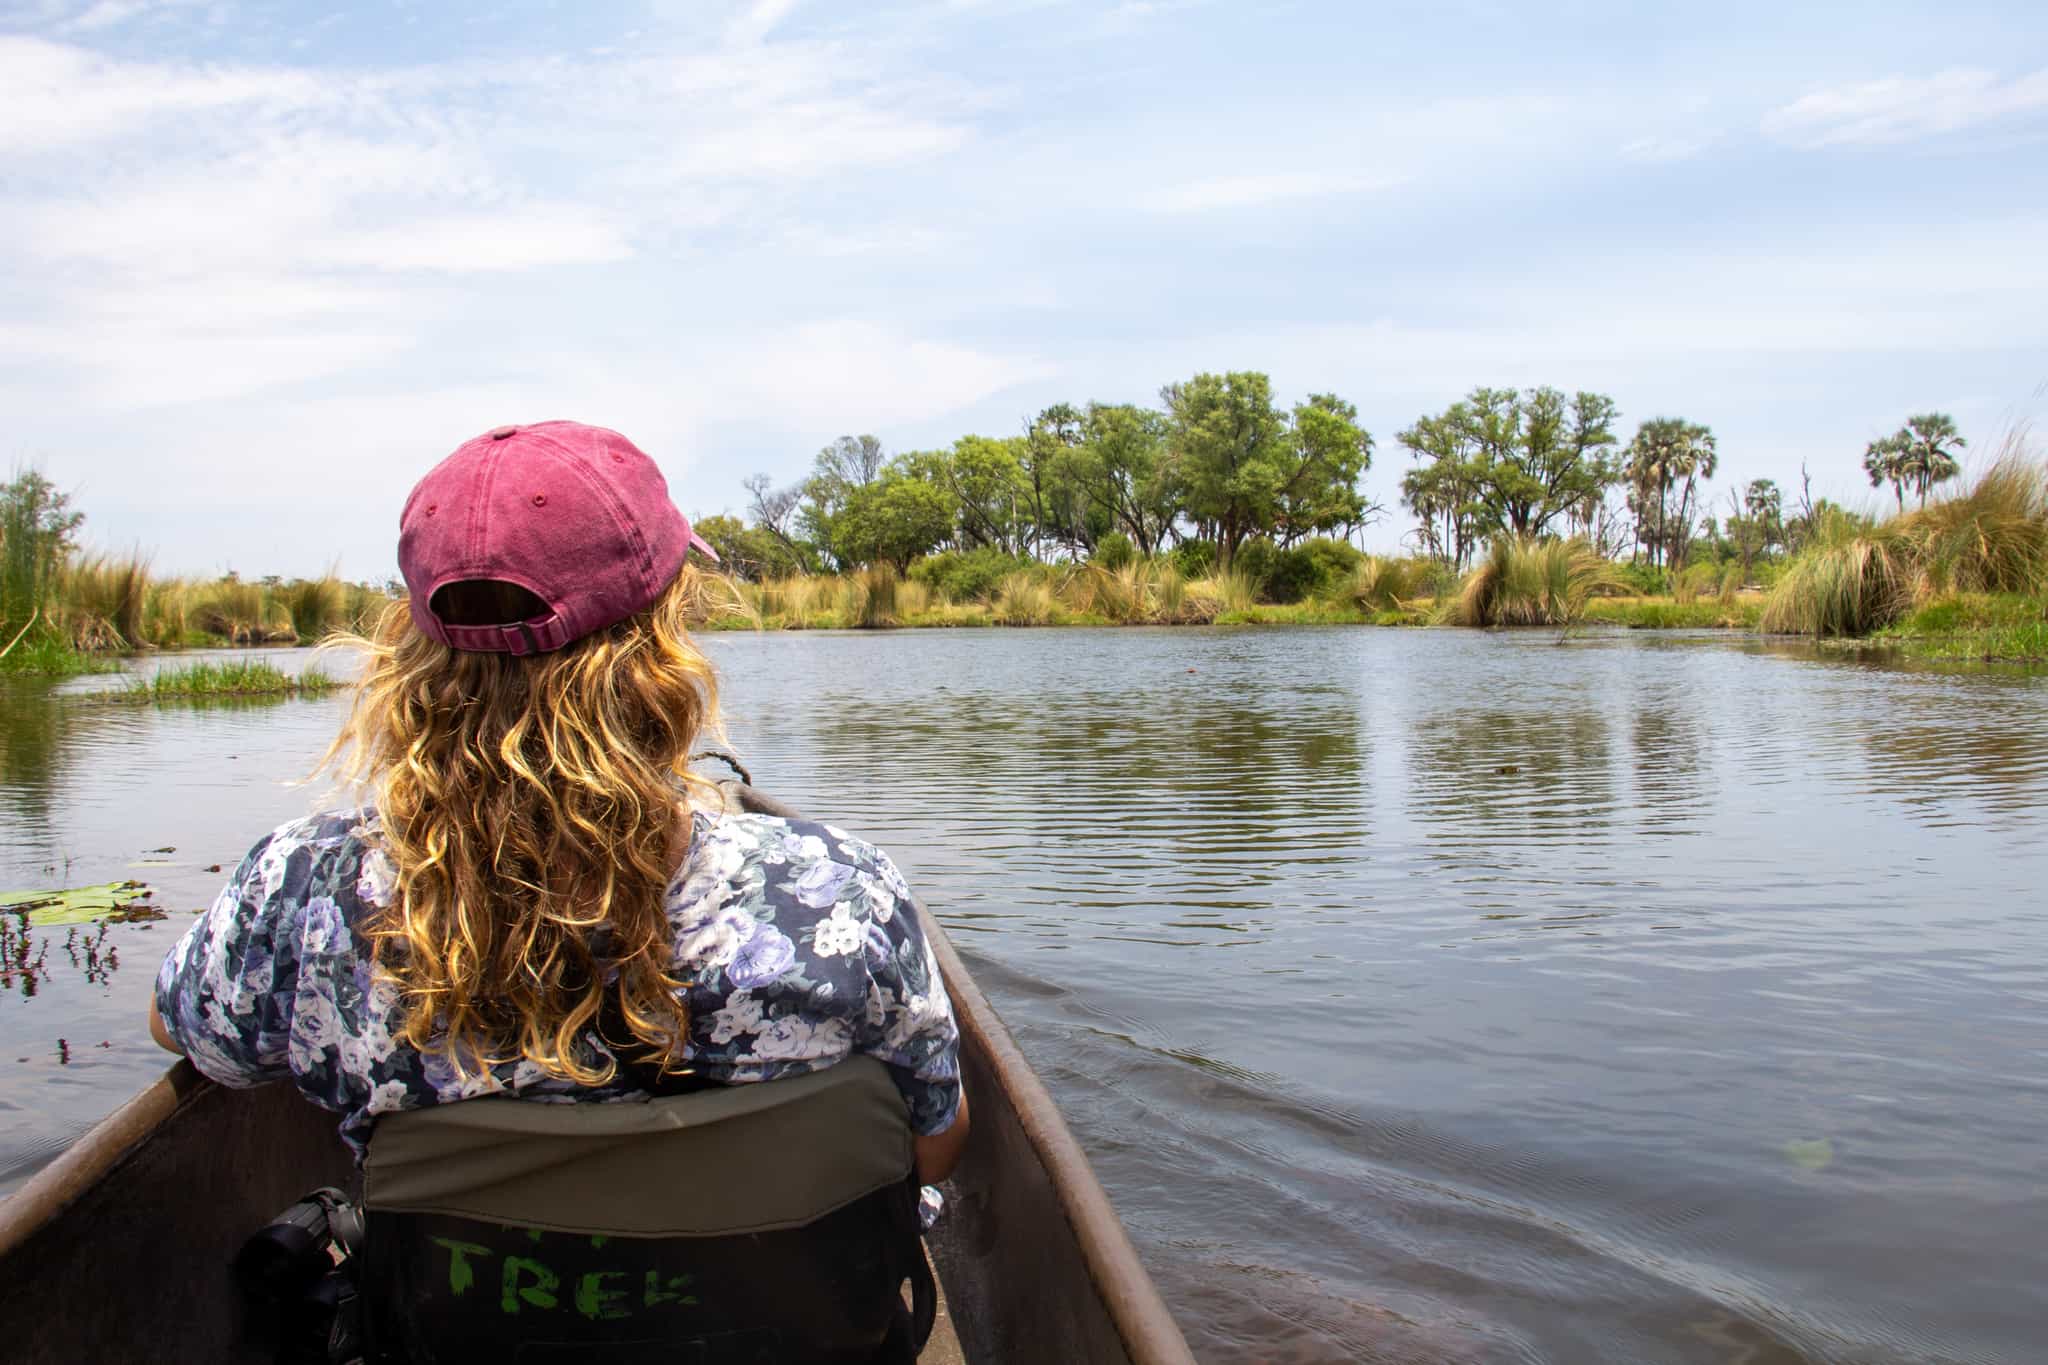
<point x="119" y="1249"/>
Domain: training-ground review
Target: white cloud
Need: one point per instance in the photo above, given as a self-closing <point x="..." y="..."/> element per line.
<point x="53" y="95"/>
<point x="755" y="20"/>
<point x="1244" y="191"/>
<point x="1900" y="108"/>
<point x="1664" y="149"/>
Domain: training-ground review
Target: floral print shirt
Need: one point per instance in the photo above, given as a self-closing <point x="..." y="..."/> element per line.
<point x="802" y="944"/>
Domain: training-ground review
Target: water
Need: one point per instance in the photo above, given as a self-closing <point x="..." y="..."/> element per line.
<point x="1417" y="994"/>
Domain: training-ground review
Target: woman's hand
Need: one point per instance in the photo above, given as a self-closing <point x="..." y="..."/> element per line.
<point x="937" y="1155"/>
<point x="169" y="1044"/>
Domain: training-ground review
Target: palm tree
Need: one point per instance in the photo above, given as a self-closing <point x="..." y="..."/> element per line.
<point x="1924" y="455"/>
<point x="1668" y="451"/>
<point x="1882" y="461"/>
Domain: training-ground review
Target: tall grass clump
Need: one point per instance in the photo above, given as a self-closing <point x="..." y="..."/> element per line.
<point x="100" y="600"/>
<point x="1382" y="583"/>
<point x="240" y="613"/>
<point x="1221" y="594"/>
<point x="317" y="606"/>
<point x="868" y="599"/>
<point x="1024" y="599"/>
<point x="1524" y="582"/>
<point x="1990" y="538"/>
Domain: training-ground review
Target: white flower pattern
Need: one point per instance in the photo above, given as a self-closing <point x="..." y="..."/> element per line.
<point x="273" y="982"/>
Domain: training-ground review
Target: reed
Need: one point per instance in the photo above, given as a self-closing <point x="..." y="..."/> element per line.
<point x="1221" y="594"/>
<point x="1382" y="583"/>
<point x="1990" y="538"/>
<point x="316" y="606"/>
<point x="1024" y="599"/>
<point x="868" y="599"/>
<point x="1525" y="582"/>
<point x="802" y="601"/>
<point x="1850" y="584"/>
<point x="240" y="613"/>
<point x="100" y="600"/>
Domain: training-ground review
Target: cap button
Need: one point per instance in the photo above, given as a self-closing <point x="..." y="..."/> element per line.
<point x="502" y="432"/>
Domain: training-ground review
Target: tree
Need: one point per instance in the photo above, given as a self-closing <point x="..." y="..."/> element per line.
<point x="1317" y="488"/>
<point x="1883" y="461"/>
<point x="985" y="476"/>
<point x="1755" y="520"/>
<point x="896" y="517"/>
<point x="749" y="552"/>
<point x="1669" y="452"/>
<point x="1247" y="468"/>
<point x="1120" y="466"/>
<point x="1528" y="463"/>
<point x="774" y="510"/>
<point x="1444" y="493"/>
<point x="38" y="530"/>
<point x="839" y="471"/>
<point x="1925" y="457"/>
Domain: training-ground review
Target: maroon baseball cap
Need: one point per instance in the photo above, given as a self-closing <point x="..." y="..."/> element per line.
<point x="578" y="516"/>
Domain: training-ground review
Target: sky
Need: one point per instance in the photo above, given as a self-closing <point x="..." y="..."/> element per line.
<point x="263" y="263"/>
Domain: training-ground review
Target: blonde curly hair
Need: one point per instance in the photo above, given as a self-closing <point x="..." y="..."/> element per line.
<point x="532" y="808"/>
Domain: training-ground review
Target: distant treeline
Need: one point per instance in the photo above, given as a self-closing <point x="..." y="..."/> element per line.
<point x="1219" y="465"/>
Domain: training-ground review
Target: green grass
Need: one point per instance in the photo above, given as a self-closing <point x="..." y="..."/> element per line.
<point x="1668" y="613"/>
<point x="1974" y="628"/>
<point x="49" y="655"/>
<point x="235" y="678"/>
<point x="1990" y="539"/>
<point x="1524" y="582"/>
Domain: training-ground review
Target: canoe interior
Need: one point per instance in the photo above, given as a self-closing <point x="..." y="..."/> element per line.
<point x="119" y="1249"/>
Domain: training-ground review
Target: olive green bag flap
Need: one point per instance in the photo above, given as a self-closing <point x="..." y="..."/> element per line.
<point x="735" y="1159"/>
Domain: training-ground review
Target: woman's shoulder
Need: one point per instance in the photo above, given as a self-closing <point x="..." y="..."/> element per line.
<point x="729" y="839"/>
<point x="303" y="859"/>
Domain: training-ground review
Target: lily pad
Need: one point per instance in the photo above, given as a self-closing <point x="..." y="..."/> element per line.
<point x="120" y="902"/>
<point x="1811" y="1154"/>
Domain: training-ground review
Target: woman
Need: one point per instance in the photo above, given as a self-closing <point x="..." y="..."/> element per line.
<point x="540" y="900"/>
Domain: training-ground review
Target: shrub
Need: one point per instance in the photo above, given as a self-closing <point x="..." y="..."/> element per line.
<point x="970" y="576"/>
<point x="1195" y="558"/>
<point x="1643" y="580"/>
<point x="1114" y="551"/>
<point x="1532" y="583"/>
<point x="1254" y="561"/>
<point x="1380" y="583"/>
<point x="1024" y="599"/>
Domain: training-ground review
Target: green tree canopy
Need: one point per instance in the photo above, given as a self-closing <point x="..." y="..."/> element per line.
<point x="1668" y="453"/>
<point x="1247" y="468"/>
<point x="1499" y="459"/>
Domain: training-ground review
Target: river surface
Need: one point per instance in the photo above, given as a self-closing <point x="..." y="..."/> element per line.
<point x="1419" y="995"/>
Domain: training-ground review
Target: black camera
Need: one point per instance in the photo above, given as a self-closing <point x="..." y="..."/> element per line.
<point x="297" y="1274"/>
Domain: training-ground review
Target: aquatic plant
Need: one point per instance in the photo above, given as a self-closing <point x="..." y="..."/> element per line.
<point x="1524" y="582"/>
<point x="1381" y="582"/>
<point x="1024" y="599"/>
<point x="868" y="598"/>
<point x="316" y="606"/>
<point x="228" y="678"/>
<point x="100" y="600"/>
<point x="1850" y="582"/>
<point x="240" y="613"/>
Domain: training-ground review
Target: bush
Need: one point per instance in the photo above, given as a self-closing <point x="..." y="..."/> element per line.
<point x="1643" y="580"/>
<point x="1254" y="563"/>
<point x="1525" y="582"/>
<point x="1114" y="551"/>
<point x="1195" y="558"/>
<point x="969" y="576"/>
<point x="1310" y="569"/>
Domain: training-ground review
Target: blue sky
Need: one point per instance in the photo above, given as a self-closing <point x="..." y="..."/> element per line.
<point x="262" y="263"/>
